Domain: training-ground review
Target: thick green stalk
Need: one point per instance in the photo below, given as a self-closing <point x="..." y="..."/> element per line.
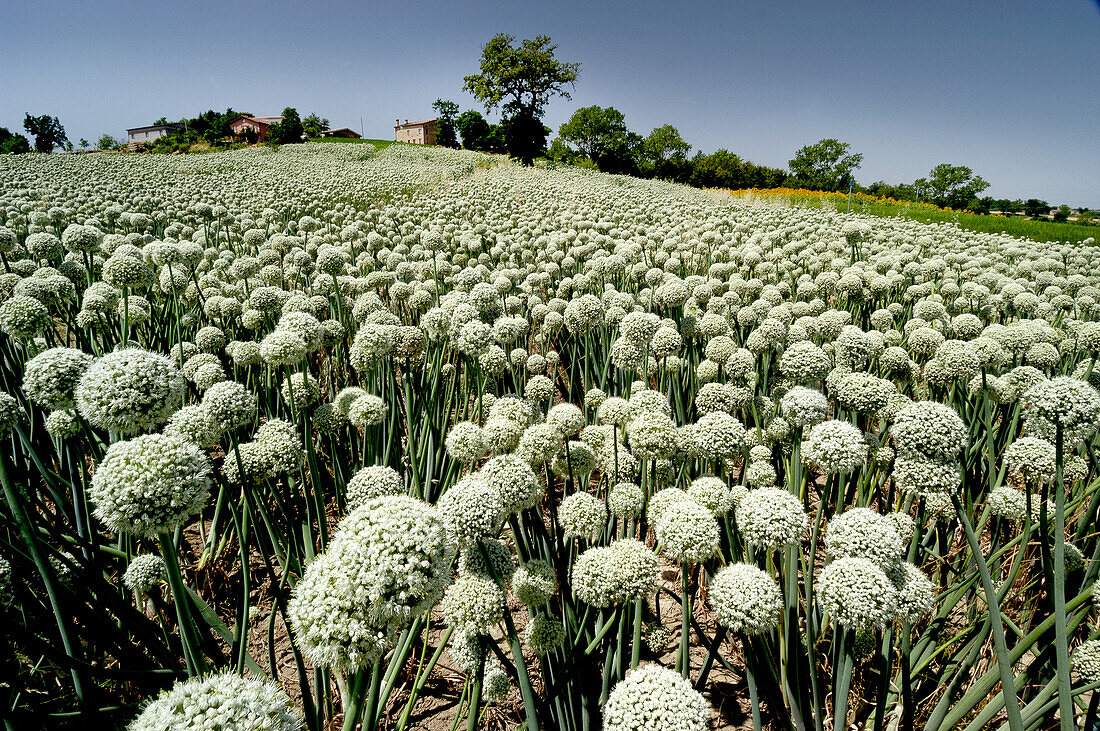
<point x="1065" y="699"/>
<point x="1008" y="684"/>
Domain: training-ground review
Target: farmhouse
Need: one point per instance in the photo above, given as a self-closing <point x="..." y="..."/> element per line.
<point x="416" y="133"/>
<point x="141" y="135"/>
<point x="258" y="125"/>
<point x="341" y="132"/>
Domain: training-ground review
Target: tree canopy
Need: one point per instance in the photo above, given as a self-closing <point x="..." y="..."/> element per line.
<point x="448" y="112"/>
<point x="313" y="126"/>
<point x="288" y="131"/>
<point x="521" y="80"/>
<point x="663" y="153"/>
<point x="602" y="136"/>
<point x="825" y="165"/>
<point x="46" y="131"/>
<point x="13" y="143"/>
<point x="950" y="186"/>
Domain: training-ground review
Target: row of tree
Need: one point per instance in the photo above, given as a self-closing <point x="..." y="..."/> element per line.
<point x="46" y="131"/>
<point x="521" y="79"/>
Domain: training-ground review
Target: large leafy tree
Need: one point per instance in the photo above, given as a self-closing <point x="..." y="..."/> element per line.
<point x="663" y="153"/>
<point x="601" y="134"/>
<point x="448" y="112"/>
<point x="948" y="185"/>
<point x="46" y="131"/>
<point x="520" y="80"/>
<point x="825" y="165"/>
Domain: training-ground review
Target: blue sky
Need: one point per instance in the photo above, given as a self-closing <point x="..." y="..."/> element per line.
<point x="1008" y="88"/>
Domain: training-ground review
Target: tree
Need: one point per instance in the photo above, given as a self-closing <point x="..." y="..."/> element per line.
<point x="12" y="143"/>
<point x="521" y="80"/>
<point x="475" y="130"/>
<point x="107" y="142"/>
<point x="825" y="165"/>
<point x="720" y="169"/>
<point x="1062" y="214"/>
<point x="84" y="144"/>
<point x="313" y="126"/>
<point x="601" y="134"/>
<point x="663" y="153"/>
<point x="1035" y="208"/>
<point x="46" y="131"/>
<point x="950" y="186"/>
<point x="288" y="131"/>
<point x="447" y="112"/>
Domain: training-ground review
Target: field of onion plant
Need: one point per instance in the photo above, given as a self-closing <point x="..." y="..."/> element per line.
<point x="325" y="438"/>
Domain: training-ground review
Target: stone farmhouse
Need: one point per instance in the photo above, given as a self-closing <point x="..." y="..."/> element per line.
<point x="416" y="133"/>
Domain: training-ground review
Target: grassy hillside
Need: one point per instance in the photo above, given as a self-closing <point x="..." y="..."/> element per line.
<point x="924" y="212"/>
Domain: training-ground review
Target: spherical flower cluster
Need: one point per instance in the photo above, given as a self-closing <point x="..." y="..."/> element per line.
<point x="625" y="500"/>
<point x="371" y="482"/>
<point x="834" y="446"/>
<point x="543" y="634"/>
<point x="582" y="515"/>
<point x="577" y="460"/>
<point x="129" y="391"/>
<point x="653" y="697"/>
<point x="473" y="603"/>
<point x="761" y="473"/>
<point x="863" y="533"/>
<point x="193" y="424"/>
<point x="1032" y="459"/>
<point x="863" y="393"/>
<point x="389" y="561"/>
<point x="857" y="593"/>
<point x="301" y="390"/>
<point x="50" y="378"/>
<point x="771" y="518"/>
<point x="488" y="558"/>
<point x="716" y="435"/>
<point x="566" y="418"/>
<point x="150" y="485"/>
<point x="145" y="573"/>
<point x="223" y="701"/>
<point x="1063" y="401"/>
<point x="616" y="574"/>
<point x="804" y="362"/>
<point x="535" y="582"/>
<point x="688" y="533"/>
<point x="652" y="435"/>
<point x="662" y="500"/>
<point x="804" y="407"/>
<point x="539" y="444"/>
<point x="919" y="475"/>
<point x="465" y="442"/>
<point x="930" y="429"/>
<point x="539" y="389"/>
<point x="712" y="493"/>
<point x="229" y="405"/>
<point x="1086" y="661"/>
<point x="916" y="594"/>
<point x="472" y="509"/>
<point x="515" y="481"/>
<point x="63" y="424"/>
<point x="746" y="598"/>
<point x="23" y="317"/>
<point x="614" y="410"/>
